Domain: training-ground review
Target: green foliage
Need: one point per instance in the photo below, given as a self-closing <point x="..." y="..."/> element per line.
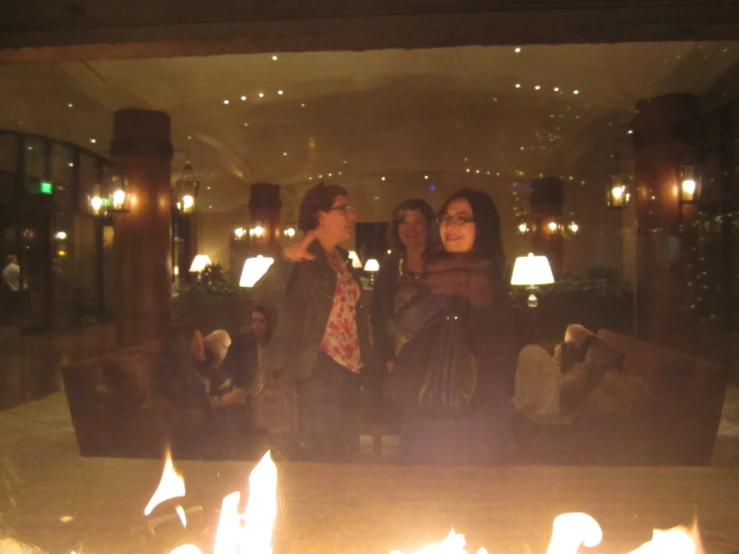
<point x="213" y="280"/>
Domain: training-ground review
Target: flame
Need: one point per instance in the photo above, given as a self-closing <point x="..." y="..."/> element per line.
<point x="172" y="485"/>
<point x="186" y="549"/>
<point x="678" y="540"/>
<point x="453" y="544"/>
<point x="569" y="531"/>
<point x="181" y="514"/>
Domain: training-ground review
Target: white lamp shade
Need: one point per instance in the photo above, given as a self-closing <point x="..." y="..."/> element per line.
<point x="356" y="262"/>
<point x="532" y="270"/>
<point x="199" y="263"/>
<point x="253" y="270"/>
<point x="372" y="265"/>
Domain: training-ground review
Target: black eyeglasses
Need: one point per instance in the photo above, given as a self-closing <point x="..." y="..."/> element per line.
<point x="457" y="219"/>
<point x="346" y="208"/>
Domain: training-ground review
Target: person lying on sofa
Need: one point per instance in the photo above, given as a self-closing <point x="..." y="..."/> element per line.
<point x="582" y="376"/>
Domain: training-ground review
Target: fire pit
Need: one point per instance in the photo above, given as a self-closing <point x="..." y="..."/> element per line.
<point x="95" y="506"/>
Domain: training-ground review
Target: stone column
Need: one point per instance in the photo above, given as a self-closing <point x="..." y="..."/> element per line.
<point x="547" y="200"/>
<point x="264" y="208"/>
<point x="665" y="130"/>
<point x="142" y="244"/>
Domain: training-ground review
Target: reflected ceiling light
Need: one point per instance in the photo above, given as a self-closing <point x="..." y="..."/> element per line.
<point x="243" y="98"/>
<point x="279" y="92"/>
<point x="425" y="176"/>
<point x="556" y="89"/>
<point x="70" y="105"/>
<point x="517" y="50"/>
<point x="518" y="85"/>
<point x="93" y="141"/>
<point x="575" y="92"/>
<point x="61" y="235"/>
<point x="537" y="87"/>
<point x="274" y="58"/>
<point x="261" y="95"/>
<point x="226" y="102"/>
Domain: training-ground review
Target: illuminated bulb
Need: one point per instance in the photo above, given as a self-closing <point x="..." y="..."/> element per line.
<point x="575" y="92"/>
<point x="226" y="102"/>
<point x="284" y="153"/>
<point x="523" y="228"/>
<point x="688" y="186"/>
<point x="61" y="235"/>
<point x="574" y="227"/>
<point x="290" y="232"/>
<point x="556" y="89"/>
<point x="330" y="174"/>
<point x="93" y="141"/>
<point x="239" y="232"/>
<point x="96" y="202"/>
<point x="617" y="192"/>
<point x="467" y="170"/>
<point x="517" y="50"/>
<point x="518" y="85"/>
<point x="279" y="92"/>
<point x="261" y="95"/>
<point x="70" y="105"/>
<point x="71" y="164"/>
<point x="243" y="98"/>
<point x="425" y="176"/>
<point x="258" y="231"/>
<point x="188" y="202"/>
<point x="552" y="226"/>
<point x="118" y="197"/>
<point x="274" y="58"/>
<point x="302" y="105"/>
<point x="537" y="87"/>
<point x="382" y="178"/>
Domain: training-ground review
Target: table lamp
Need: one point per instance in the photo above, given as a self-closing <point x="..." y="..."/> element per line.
<point x="372" y="266"/>
<point x="199" y="263"/>
<point x="253" y="270"/>
<point x="531" y="271"/>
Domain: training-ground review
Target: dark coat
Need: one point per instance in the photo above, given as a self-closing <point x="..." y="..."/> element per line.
<point x="279" y="289"/>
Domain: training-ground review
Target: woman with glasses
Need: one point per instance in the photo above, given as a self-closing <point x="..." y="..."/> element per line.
<point x="470" y="268"/>
<point x="321" y="335"/>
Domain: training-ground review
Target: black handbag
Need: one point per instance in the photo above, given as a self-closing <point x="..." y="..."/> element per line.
<point x="436" y="372"/>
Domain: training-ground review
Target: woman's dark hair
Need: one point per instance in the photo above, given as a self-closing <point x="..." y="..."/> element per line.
<point x="422" y="206"/>
<point x="488" y="243"/>
<point x="318" y="199"/>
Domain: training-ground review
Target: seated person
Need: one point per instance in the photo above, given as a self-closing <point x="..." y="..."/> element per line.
<point x="232" y="361"/>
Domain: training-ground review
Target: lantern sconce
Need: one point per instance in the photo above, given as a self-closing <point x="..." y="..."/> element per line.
<point x="554" y="227"/>
<point x="571" y="226"/>
<point x="186" y="190"/>
<point x="689" y="182"/>
<point x="618" y="195"/>
<point x="118" y="189"/>
<point x="257" y="231"/>
<point x="98" y="203"/>
<point x="523" y="228"/>
<point x="289" y="232"/>
<point x="239" y="233"/>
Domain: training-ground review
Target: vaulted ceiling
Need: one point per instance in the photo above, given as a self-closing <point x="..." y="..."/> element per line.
<point x="385" y="123"/>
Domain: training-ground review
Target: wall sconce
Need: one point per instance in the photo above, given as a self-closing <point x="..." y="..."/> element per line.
<point x="98" y="204"/>
<point x="257" y="231"/>
<point x="572" y="227"/>
<point x="186" y="190"/>
<point x="120" y="194"/>
<point x="289" y="232"/>
<point x="617" y="194"/>
<point x="689" y="182"/>
<point x="523" y="228"/>
<point x="554" y="227"/>
<point x="239" y="233"/>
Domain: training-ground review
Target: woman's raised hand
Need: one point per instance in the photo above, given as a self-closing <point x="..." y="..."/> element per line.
<point x="299" y="252"/>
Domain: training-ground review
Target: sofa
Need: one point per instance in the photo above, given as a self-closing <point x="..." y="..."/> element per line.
<point x="628" y="402"/>
<point x="123" y="404"/>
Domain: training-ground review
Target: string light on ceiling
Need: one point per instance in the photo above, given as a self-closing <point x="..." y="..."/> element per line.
<point x="243" y="98"/>
<point x="274" y="58"/>
<point x="226" y="102"/>
<point x="261" y="95"/>
<point x="517" y="50"/>
<point x="280" y="92"/>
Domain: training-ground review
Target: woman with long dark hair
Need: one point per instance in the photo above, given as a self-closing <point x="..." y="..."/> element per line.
<point x="469" y="272"/>
<point x="399" y="278"/>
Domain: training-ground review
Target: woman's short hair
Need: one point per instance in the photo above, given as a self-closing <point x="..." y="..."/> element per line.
<point x="393" y="237"/>
<point x="318" y="199"/>
<point x="488" y="242"/>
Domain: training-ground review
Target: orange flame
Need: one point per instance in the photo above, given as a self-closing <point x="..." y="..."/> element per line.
<point x="678" y="540"/>
<point x="453" y="544"/>
<point x="569" y="531"/>
<point x="172" y="485"/>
